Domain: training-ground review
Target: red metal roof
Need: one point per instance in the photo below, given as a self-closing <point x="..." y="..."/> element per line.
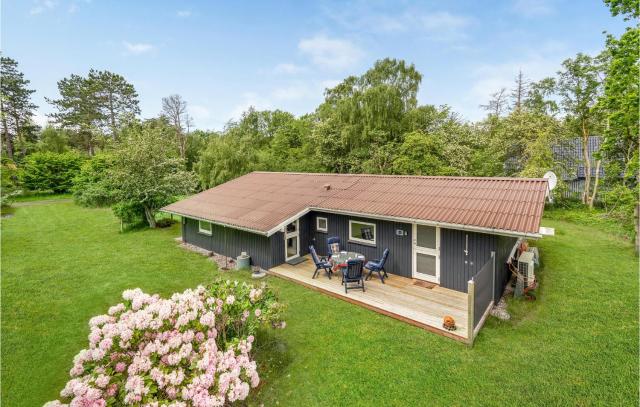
<point x="262" y="201"/>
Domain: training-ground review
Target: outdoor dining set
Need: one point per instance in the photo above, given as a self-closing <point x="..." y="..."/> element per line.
<point x="351" y="265"/>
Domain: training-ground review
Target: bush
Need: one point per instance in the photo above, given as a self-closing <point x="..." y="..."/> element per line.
<point x="8" y="182"/>
<point x="47" y="171"/>
<point x="91" y="185"/>
<point x="193" y="349"/>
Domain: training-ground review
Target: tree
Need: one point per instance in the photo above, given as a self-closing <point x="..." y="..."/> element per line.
<point x="174" y="108"/>
<point x="53" y="140"/>
<point x="629" y="8"/>
<point x="16" y="108"/>
<point x="520" y="91"/>
<point x="117" y="100"/>
<point x="365" y="111"/>
<point x="146" y="173"/>
<point x="421" y="154"/>
<point x="93" y="106"/>
<point x="579" y="87"/>
<point x="539" y="97"/>
<point x="91" y="186"/>
<point x="497" y="104"/>
<point x="619" y="103"/>
<point x="47" y="171"/>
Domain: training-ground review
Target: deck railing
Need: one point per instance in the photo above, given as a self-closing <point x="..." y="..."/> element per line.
<point x="480" y="291"/>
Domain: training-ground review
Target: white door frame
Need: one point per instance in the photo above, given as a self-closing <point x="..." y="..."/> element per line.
<point x="425" y="250"/>
<point x="290" y="235"/>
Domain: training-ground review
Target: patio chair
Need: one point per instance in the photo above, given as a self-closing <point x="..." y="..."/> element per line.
<point x="377" y="266"/>
<point x="320" y="262"/>
<point x="353" y="274"/>
<point x="333" y="246"/>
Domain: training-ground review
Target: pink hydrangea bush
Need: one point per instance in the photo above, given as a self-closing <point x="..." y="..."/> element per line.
<point x="193" y="349"/>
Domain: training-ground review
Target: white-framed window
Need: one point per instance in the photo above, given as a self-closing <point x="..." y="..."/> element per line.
<point x="204" y="227"/>
<point x="363" y="232"/>
<point x="322" y="224"/>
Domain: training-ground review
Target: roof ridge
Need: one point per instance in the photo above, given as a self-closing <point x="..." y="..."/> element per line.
<point x="453" y="177"/>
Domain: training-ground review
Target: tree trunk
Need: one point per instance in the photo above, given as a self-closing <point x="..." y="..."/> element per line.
<point x="587" y="163"/>
<point x="595" y="185"/>
<point x="151" y="219"/>
<point x="112" y="116"/>
<point x="8" y="139"/>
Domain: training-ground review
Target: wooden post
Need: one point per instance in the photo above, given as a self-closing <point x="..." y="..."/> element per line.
<point x="471" y="287"/>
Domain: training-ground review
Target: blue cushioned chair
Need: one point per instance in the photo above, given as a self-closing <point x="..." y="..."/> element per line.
<point x="353" y="274"/>
<point x="377" y="266"/>
<point x="331" y="241"/>
<point x="320" y="262"/>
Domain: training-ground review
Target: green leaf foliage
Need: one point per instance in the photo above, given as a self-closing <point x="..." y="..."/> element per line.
<point x="147" y="173"/>
<point x="91" y="187"/>
<point x="47" y="171"/>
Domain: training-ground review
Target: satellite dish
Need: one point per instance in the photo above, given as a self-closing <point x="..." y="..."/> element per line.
<point x="552" y="178"/>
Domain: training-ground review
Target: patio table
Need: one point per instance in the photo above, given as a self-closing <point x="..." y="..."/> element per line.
<point x="339" y="260"/>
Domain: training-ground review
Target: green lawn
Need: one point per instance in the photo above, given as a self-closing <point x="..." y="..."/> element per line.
<point x="576" y="345"/>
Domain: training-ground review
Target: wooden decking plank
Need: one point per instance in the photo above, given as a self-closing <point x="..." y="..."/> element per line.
<point x="399" y="298"/>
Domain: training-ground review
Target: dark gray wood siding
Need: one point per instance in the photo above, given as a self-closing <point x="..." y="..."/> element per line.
<point x="399" y="261"/>
<point x="503" y="274"/>
<point x="458" y="267"/>
<point x="231" y="242"/>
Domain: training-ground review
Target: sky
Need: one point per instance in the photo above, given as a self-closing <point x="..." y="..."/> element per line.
<point x="223" y="57"/>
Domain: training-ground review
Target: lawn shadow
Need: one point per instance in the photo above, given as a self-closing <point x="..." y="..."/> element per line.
<point x="273" y="357"/>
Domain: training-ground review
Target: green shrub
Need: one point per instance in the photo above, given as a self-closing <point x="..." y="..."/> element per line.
<point x="129" y="213"/>
<point x="91" y="185"/>
<point x="8" y="182"/>
<point x="47" y="171"/>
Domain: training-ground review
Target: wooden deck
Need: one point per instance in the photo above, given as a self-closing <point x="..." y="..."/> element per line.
<point x="399" y="298"/>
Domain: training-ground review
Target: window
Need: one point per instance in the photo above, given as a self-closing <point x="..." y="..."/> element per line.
<point x="321" y="224"/>
<point x="204" y="227"/>
<point x="362" y="232"/>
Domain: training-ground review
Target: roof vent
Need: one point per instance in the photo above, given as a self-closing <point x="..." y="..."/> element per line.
<point x="327" y="187"/>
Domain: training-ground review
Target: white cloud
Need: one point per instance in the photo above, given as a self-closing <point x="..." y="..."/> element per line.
<point x="184" y="13"/>
<point x="388" y="17"/>
<point x="73" y="8"/>
<point x="443" y="20"/>
<point x="331" y="53"/>
<point x="490" y="78"/>
<point x="329" y="83"/>
<point x="533" y="8"/>
<point x="292" y="92"/>
<point x="41" y="6"/>
<point x="137" y="48"/>
<point x="199" y="112"/>
<point x="287" y="68"/>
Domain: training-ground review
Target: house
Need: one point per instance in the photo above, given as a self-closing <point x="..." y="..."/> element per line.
<point x="570" y="156"/>
<point x="440" y="230"/>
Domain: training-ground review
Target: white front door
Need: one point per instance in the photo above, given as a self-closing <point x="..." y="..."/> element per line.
<point x="291" y="240"/>
<point x="426" y="253"/>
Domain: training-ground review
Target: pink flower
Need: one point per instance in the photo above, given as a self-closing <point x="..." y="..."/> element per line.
<point x="120" y="367"/>
<point x="112" y="389"/>
<point x="258" y="312"/>
<point x="231" y="299"/>
<point x="102" y="381"/>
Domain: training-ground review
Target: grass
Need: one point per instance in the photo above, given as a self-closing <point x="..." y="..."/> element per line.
<point x="576" y="345"/>
<point x="37" y="196"/>
<point x="596" y="217"/>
